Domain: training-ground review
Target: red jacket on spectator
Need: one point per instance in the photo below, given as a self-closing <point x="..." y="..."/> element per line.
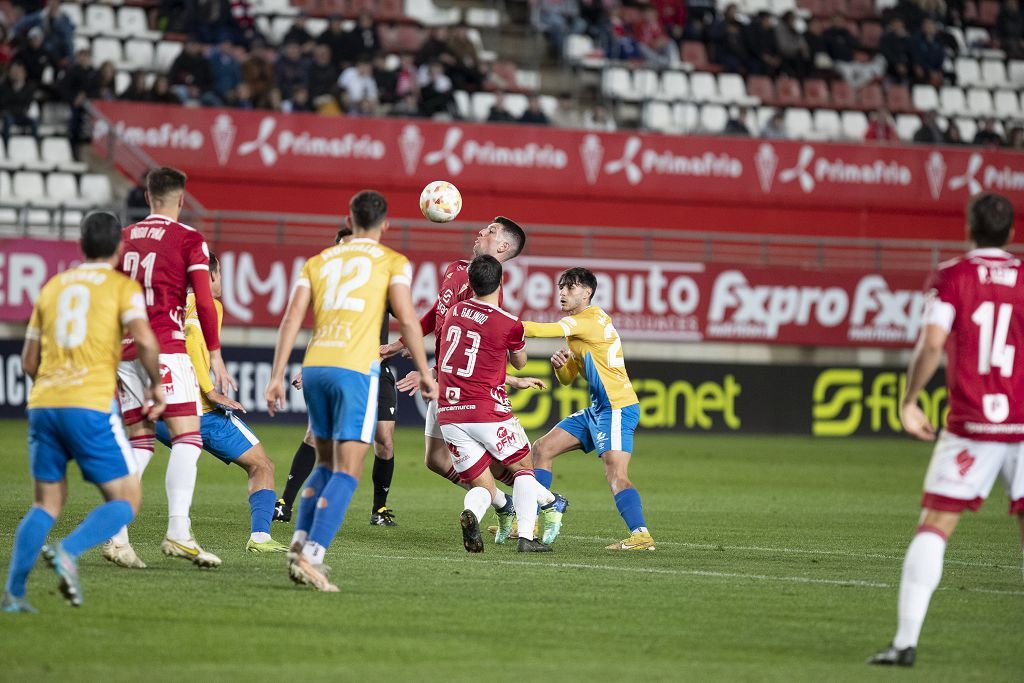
<point x="671" y="12"/>
<point x="881" y="130"/>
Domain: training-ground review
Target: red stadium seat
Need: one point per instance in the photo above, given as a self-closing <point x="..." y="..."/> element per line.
<point x="988" y="11"/>
<point x="870" y="96"/>
<point x="788" y="92"/>
<point x="696" y="54"/>
<point x="816" y="93"/>
<point x="390" y="9"/>
<point x="861" y="9"/>
<point x="762" y="88"/>
<point x="843" y="96"/>
<point x="870" y="34"/>
<point x="898" y="99"/>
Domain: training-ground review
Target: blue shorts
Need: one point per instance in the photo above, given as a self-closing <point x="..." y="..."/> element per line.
<point x="225" y="437"/>
<point x="609" y="429"/>
<point x="342" y="403"/>
<point x="94" y="439"/>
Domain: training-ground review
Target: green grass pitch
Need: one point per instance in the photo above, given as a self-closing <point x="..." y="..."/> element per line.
<point x="778" y="559"/>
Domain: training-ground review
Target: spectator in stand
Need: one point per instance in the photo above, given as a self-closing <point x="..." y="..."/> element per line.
<point x="359" y="85"/>
<point x="408" y="106"/>
<point x="367" y="108"/>
<point x="817" y="46"/>
<point x="33" y="56"/>
<point x="1010" y="27"/>
<point x="243" y="97"/>
<point x="672" y="14"/>
<point x="387" y="80"/>
<point x="322" y="74"/>
<point x="435" y="48"/>
<point x="78" y="83"/>
<point x="897" y="49"/>
<point x="258" y="74"/>
<point x="363" y="39"/>
<point x="499" y="113"/>
<point x="987" y="135"/>
<point x="929" y="133"/>
<point x="656" y="47"/>
<point x="435" y="91"/>
<point x="6" y="49"/>
<point x="290" y="70"/>
<point x="1015" y="138"/>
<point x="162" y="92"/>
<point x="465" y="72"/>
<point x="557" y="19"/>
<point x="929" y="55"/>
<point x="598" y="118"/>
<point x="935" y="10"/>
<point x="406" y="78"/>
<point x="737" y="123"/>
<point x="190" y="72"/>
<point x="566" y="115"/>
<point x="16" y="96"/>
<point x="534" y="113"/>
<point x="58" y="32"/>
<point x="728" y="42"/>
<point x="775" y="129"/>
<point x="765" y="57"/>
<point x="106" y="83"/>
<point x="594" y="14"/>
<point x="334" y="38"/>
<point x="794" y="54"/>
<point x="839" y="41"/>
<point x="225" y="71"/>
<point x="881" y="127"/>
<point x="624" y="45"/>
<point x="299" y="102"/>
<point x="242" y="24"/>
<point x="298" y="33"/>
<point x="136" y="91"/>
<point x="953" y="136"/>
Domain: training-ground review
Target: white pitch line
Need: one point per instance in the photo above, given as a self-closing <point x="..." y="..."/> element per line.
<point x="798" y="551"/>
<point x="856" y="583"/>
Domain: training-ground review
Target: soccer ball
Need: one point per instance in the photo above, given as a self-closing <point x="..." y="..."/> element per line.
<point x="440" y="201"/>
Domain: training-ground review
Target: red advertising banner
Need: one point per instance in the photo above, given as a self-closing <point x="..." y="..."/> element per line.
<point x="268" y="161"/>
<point x="686" y="302"/>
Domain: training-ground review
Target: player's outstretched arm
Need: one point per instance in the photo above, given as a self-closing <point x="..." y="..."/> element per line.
<point x="546" y="330"/>
<point x="401" y="304"/>
<point x="923" y="363"/>
<point x="286" y="334"/>
<point x="148" y="350"/>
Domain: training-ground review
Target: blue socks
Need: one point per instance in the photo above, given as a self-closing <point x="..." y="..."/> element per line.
<point x="28" y="541"/>
<point x="337" y="495"/>
<point x="307" y="506"/>
<point x="102" y="523"/>
<point x="261" y="509"/>
<point x="632" y="511"/>
<point x="543" y="477"/>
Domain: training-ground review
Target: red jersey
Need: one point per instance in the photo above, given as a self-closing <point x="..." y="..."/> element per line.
<point x="979" y="298"/>
<point x="471" y="362"/>
<point x="165" y="257"/>
<point x="454" y="288"/>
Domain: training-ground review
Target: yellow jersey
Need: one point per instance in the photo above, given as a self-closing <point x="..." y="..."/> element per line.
<point x="596" y="354"/>
<point x="78" y="320"/>
<point x="349" y="289"/>
<point x="195" y="346"/>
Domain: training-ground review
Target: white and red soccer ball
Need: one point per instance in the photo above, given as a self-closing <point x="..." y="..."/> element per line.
<point x="440" y="201"/>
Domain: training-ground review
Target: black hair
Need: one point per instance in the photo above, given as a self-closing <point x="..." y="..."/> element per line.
<point x="484" y="275"/>
<point x="161" y="182"/>
<point x="513" y="233"/>
<point x="214" y="263"/>
<point x="578" y="276"/>
<point x="342" y="234"/>
<point x="990" y="219"/>
<point x="368" y="209"/>
<point x="101" y="234"/>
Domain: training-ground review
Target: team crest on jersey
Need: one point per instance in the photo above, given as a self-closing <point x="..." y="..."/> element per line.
<point x="167" y="380"/>
<point x="452" y="394"/>
<point x="964" y="461"/>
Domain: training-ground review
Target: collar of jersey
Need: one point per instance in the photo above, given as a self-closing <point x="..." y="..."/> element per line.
<point x="160" y="215"/>
<point x="362" y="239"/>
<point x="990" y="252"/>
<point x="96" y="266"/>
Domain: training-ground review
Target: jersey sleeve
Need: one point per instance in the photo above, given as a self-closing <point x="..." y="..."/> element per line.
<point x="400" y="272"/>
<point x="516" y="337"/>
<point x="34" y="329"/>
<point x="306" y="275"/>
<point x="131" y="305"/>
<point x="197" y="254"/>
<point x="940" y="305"/>
<point x="547" y="330"/>
<point x="567" y="373"/>
<point x="195" y="346"/>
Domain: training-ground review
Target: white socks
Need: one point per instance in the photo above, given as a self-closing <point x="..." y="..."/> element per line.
<point x="142" y="454"/>
<point x="314" y="552"/>
<point x="499" y="499"/>
<point x="181" y="483"/>
<point x="259" y="537"/>
<point x="922" y="570"/>
<point x="477" y="500"/>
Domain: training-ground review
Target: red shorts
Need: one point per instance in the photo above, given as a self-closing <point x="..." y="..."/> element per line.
<point x="181" y="389"/>
<point x="475" y="445"/>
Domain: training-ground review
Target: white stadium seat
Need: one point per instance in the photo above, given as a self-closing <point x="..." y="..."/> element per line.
<point x="827" y="124"/>
<point x="925" y="98"/>
<point x="138" y="54"/>
<point x="687" y="117"/>
<point x="798" y="123"/>
<point x="855" y="124"/>
<point x="703" y="87"/>
<point x="674" y="86"/>
<point x="952" y="100"/>
<point x="645" y="83"/>
<point x="658" y="117"/>
<point x="100" y="20"/>
<point x="979" y="102"/>
<point x="106" y="49"/>
<point x="56" y="151"/>
<point x="95" y="189"/>
<point x="166" y="52"/>
<point x="713" y="118"/>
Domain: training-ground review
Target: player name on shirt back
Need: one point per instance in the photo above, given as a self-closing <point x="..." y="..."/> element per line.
<point x="142" y="232"/>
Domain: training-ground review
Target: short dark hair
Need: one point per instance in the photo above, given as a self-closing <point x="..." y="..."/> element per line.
<point x="101" y="234"/>
<point x="342" y="234"/>
<point x="990" y="219"/>
<point x="578" y="276"/>
<point x="484" y="274"/>
<point x="368" y="208"/>
<point x="214" y="263"/>
<point x="513" y="233"/>
<point x="160" y="182"/>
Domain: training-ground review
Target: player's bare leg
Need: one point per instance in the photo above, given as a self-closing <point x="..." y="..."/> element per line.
<point x="627" y="500"/>
<point x="922" y="571"/>
<point x="260" y="470"/>
<point x="383" y="472"/>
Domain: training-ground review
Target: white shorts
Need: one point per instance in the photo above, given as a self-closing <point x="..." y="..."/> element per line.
<point x="962" y="472"/>
<point x="430" y="426"/>
<point x="181" y="388"/>
<point x="475" y="445"/>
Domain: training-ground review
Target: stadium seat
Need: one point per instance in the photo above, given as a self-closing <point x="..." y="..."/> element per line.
<point x="74" y="13"/>
<point x="616" y="83"/>
<point x="56" y="151"/>
<point x="968" y="71"/>
<point x="696" y="55"/>
<point x="578" y="46"/>
<point x="99" y="20"/>
<point x="925" y="98"/>
<point x="7" y="191"/>
<point x="138" y="54"/>
<point x="658" y="117"/>
<point x="23" y="152"/>
<point x="703" y="87"/>
<point x="870" y="96"/>
<point x="516" y="103"/>
<point x="988" y="12"/>
<point x="645" y="83"/>
<point x="132" y="23"/>
<point x="122" y="79"/>
<point x="1016" y="72"/>
<point x="674" y="86"/>
<point x="28" y="186"/>
<point x="733" y="90"/>
<point x="106" y="49"/>
<point x="166" y="52"/>
<point x="482" y="17"/>
<point x="979" y="102"/>
<point x="429" y="14"/>
<point x="687" y="117"/>
<point x="952" y="100"/>
<point x="977" y="37"/>
<point x="993" y="74"/>
<point x="843" y="95"/>
<point x="968" y="128"/>
<point x="855" y="124"/>
<point x="827" y="124"/>
<point x="788" y="92"/>
<point x="481" y="104"/>
<point x="907" y="125"/>
<point x="762" y="88"/>
<point x="279" y="27"/>
<point x="549" y="105"/>
<point x="62" y="188"/>
<point x="713" y="118"/>
<point x="816" y="93"/>
<point x="95" y="189"/>
<point x="1007" y="103"/>
<point x="462" y="104"/>
<point x="799" y="125"/>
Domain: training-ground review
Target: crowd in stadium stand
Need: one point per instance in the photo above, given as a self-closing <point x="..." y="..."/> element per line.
<point x="226" y="61"/>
